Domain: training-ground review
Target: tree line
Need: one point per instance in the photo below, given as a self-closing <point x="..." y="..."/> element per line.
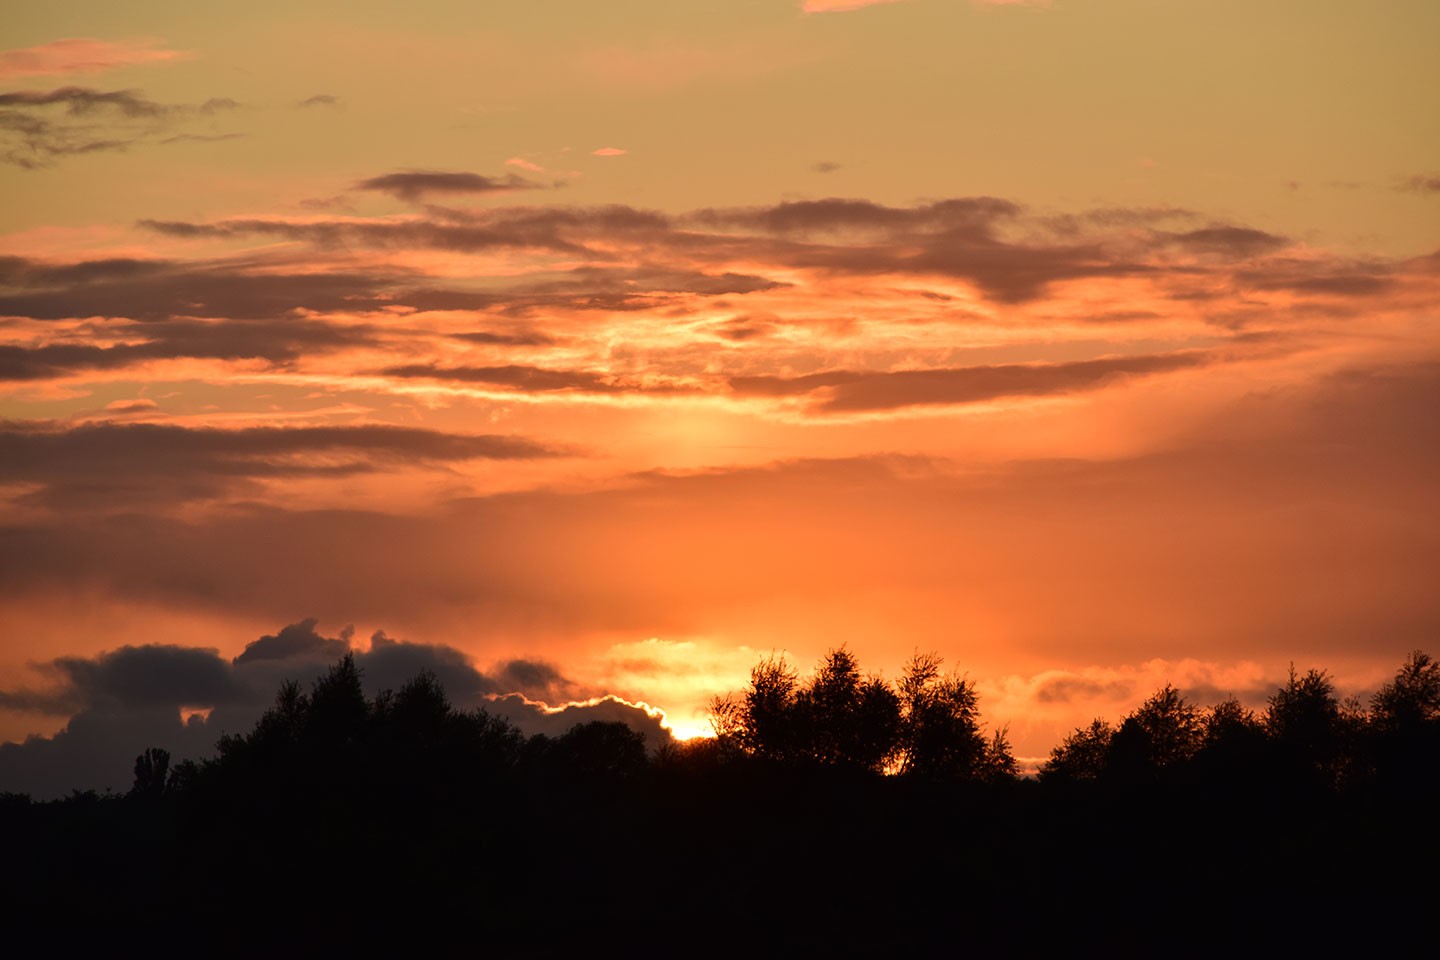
<point x="925" y="726"/>
<point x="928" y="725"/>
<point x="836" y="812"/>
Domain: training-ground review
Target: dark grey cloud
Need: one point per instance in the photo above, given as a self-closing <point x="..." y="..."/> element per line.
<point x="1337" y="279"/>
<point x="855" y="391"/>
<point x="161" y="289"/>
<point x="535" y="679"/>
<point x="535" y="719"/>
<point x="320" y="100"/>
<point x="958" y="237"/>
<point x="278" y="342"/>
<point x="1009" y="255"/>
<point x="593" y="288"/>
<point x="125" y="701"/>
<point x="826" y="166"/>
<point x="40" y="127"/>
<point x="746" y="328"/>
<point x="295" y="640"/>
<point x="527" y="379"/>
<point x="495" y="338"/>
<point x="1072" y="224"/>
<point x="415" y="185"/>
<point x="1253" y="696"/>
<point x="136" y="676"/>
<point x="202" y="138"/>
<point x="1066" y="689"/>
<point x="79" y="101"/>
<point x="1229" y="241"/>
<point x="842" y="215"/>
<point x="519" y="377"/>
<point x="218" y="104"/>
<point x="390" y="663"/>
<point x="109" y="463"/>
<point x="559" y="229"/>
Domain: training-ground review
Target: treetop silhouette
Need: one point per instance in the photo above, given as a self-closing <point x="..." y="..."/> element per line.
<point x="927" y="726"/>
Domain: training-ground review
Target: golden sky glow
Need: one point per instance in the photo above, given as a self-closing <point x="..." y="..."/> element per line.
<point x="1089" y="343"/>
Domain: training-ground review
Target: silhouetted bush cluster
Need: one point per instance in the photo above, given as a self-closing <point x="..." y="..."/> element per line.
<point x="927" y="726"/>
<point x="1306" y="736"/>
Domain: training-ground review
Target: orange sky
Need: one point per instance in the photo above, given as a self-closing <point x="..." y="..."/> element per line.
<point x="1091" y="343"/>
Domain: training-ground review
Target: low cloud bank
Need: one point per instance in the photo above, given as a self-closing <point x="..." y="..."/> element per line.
<point x="183" y="699"/>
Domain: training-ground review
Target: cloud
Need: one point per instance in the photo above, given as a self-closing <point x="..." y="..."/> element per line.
<point x="844" y="391"/>
<point x="154" y="290"/>
<point x="415" y="185"/>
<point x="559" y="229"/>
<point x="976" y="215"/>
<point x="321" y="100"/>
<point x="826" y="166"/>
<point x="83" y="100"/>
<point x="839" y="6"/>
<point x="539" y="718"/>
<point x="1243" y="534"/>
<point x="201" y="138"/>
<point x="82" y="55"/>
<point x="89" y="121"/>
<point x="277" y="341"/>
<point x="528" y="379"/>
<point x="609" y="152"/>
<point x="138" y="676"/>
<point x="296" y="640"/>
<point x="534" y="379"/>
<point x="121" y="407"/>
<point x="1422" y="183"/>
<point x="1230" y="241"/>
<point x="492" y="338"/>
<point x="109" y="462"/>
<point x="961" y="238"/>
<point x="535" y="680"/>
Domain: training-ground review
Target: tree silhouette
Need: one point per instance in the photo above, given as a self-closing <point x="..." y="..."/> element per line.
<point x="1304" y="721"/>
<point x="929" y="727"/>
<point x="844" y="719"/>
<point x="1083" y="755"/>
<point x="151" y="768"/>
<point x="1234" y="745"/>
<point x="940" y="723"/>
<point x="1412" y="699"/>
<point x="767" y="724"/>
<point x="1161" y="735"/>
<point x="1405" y="721"/>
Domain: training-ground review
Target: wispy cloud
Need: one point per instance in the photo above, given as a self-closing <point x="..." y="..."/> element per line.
<point x="415" y="185"/>
<point x="849" y="391"/>
<point x="74" y="55"/>
<point x="839" y="6"/>
<point x="152" y="463"/>
<point x="1422" y="183"/>
<point x="321" y="100"/>
<point x="90" y="121"/>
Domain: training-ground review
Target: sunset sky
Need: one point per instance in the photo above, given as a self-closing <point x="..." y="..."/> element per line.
<point x="1088" y="343"/>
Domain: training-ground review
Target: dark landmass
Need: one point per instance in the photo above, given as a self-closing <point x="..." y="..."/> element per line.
<point x="837" y="814"/>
